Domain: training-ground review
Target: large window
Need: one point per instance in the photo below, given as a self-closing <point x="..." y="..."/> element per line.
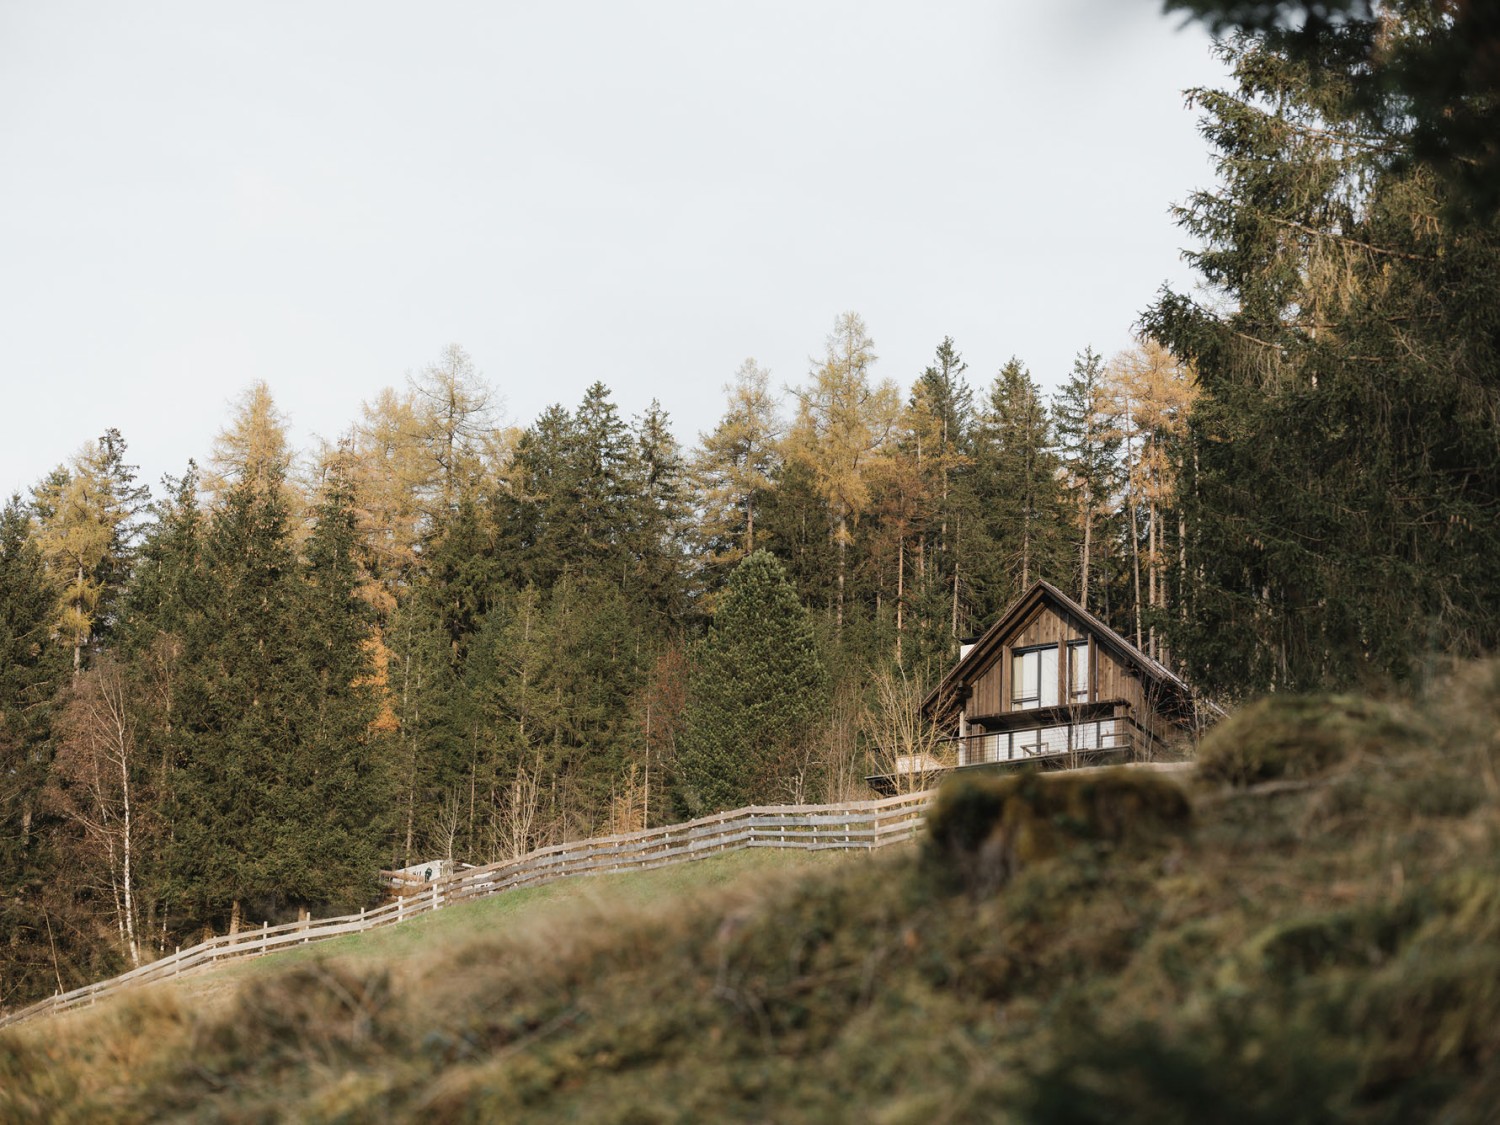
<point x="1033" y="678"/>
<point x="1078" y="671"/>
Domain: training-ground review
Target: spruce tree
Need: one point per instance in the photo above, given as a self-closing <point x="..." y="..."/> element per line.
<point x="338" y="796"/>
<point x="1344" y="463"/>
<point x="940" y="443"/>
<point x="1090" y="450"/>
<point x="757" y="687"/>
<point x="658" y="536"/>
<point x="1018" y="492"/>
<point x="32" y="670"/>
<point x="241" y="711"/>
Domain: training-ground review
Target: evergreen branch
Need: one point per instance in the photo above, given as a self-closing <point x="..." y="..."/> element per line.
<point x="1346" y="240"/>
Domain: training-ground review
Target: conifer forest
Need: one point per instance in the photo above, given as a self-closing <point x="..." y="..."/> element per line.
<point x="239" y="693"/>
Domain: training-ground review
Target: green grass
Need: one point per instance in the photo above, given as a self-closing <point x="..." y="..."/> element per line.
<point x="1312" y="934"/>
<point x="580" y="901"/>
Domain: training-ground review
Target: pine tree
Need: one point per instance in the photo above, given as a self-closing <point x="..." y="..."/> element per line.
<point x="459" y="571"/>
<point x="1418" y="75"/>
<point x="168" y="590"/>
<point x="599" y="667"/>
<point x="757" y="687"/>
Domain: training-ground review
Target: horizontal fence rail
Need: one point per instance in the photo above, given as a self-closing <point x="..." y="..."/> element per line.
<point x="856" y="826"/>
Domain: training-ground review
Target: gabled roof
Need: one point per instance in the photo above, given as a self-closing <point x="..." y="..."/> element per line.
<point x="983" y="653"/>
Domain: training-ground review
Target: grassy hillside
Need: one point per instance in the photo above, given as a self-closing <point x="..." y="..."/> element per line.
<point x="1310" y="931"/>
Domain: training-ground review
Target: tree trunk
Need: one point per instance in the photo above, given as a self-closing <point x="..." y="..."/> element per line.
<point x="900" y="591"/>
<point x="843" y="537"/>
<point x="1152" y="565"/>
<point x="127" y="873"/>
<point x="1135" y="556"/>
<point x="1088" y="540"/>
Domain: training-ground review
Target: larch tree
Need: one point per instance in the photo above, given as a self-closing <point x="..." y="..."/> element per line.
<point x="389" y="471"/>
<point x="1149" y="394"/>
<point x="454" y="412"/>
<point x="844" y="422"/>
<point x="253" y="449"/>
<point x="733" y="468"/>
<point x="86" y="515"/>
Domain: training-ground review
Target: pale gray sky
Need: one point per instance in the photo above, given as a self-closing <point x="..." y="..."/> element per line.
<point x="197" y="195"/>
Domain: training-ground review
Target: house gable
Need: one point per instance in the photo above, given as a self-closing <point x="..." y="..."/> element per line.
<point x="1086" y="696"/>
<point x="980" y="688"/>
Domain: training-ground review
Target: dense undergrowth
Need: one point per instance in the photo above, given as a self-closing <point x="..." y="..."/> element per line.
<point x="1308" y="931"/>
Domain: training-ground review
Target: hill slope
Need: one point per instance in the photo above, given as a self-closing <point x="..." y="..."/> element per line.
<point x="1312" y="932"/>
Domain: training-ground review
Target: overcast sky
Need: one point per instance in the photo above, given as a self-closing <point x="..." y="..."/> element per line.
<point x="194" y="196"/>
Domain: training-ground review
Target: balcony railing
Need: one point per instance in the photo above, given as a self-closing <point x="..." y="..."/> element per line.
<point x="1056" y="744"/>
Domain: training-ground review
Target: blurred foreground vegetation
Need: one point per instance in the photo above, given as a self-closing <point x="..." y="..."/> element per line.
<point x="1308" y="930"/>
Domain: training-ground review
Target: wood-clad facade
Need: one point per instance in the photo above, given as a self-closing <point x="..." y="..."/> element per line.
<point x="1052" y="684"/>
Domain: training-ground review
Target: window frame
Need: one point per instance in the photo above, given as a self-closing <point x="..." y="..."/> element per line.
<point x="1083" y="694"/>
<point x="1019" y="702"/>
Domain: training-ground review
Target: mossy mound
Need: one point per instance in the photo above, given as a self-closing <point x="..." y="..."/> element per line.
<point x="984" y="830"/>
<point x="1302" y="736"/>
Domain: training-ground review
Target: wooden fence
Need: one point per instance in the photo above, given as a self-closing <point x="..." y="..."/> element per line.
<point x="858" y="826"/>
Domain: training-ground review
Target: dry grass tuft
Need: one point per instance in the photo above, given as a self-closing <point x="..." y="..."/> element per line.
<point x="987" y="829"/>
<point x="1297" y="737"/>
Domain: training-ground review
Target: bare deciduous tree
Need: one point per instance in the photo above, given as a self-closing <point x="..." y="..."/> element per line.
<point x="94" y="785"/>
<point x="905" y="744"/>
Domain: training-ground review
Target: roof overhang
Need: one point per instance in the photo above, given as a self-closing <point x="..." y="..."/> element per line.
<point x="952" y="689"/>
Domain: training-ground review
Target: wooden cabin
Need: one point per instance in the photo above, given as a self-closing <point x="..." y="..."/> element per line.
<point x="1053" y="685"/>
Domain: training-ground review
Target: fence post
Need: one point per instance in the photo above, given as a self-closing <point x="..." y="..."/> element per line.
<point x="264" y="936"/>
